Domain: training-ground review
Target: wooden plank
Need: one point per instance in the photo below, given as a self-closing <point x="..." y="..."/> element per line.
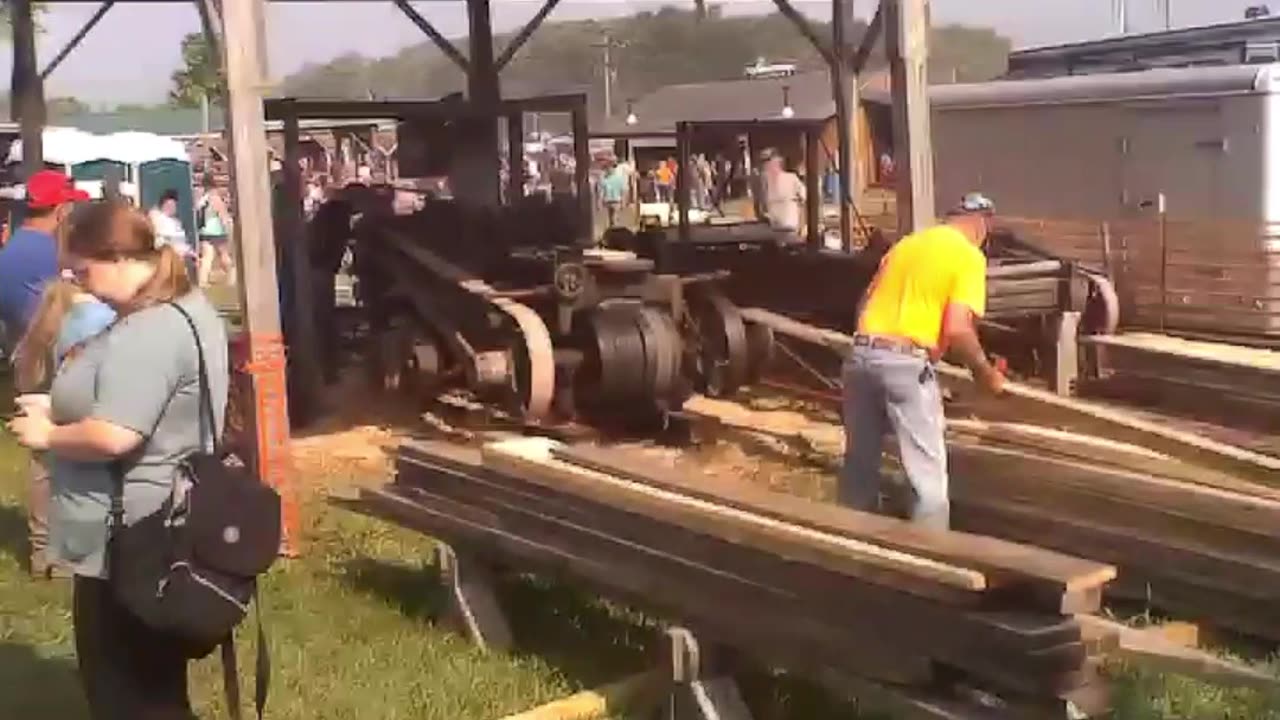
<point x="728" y="609"/>
<point x="997" y="477"/>
<point x="1077" y="446"/>
<point x="532" y="459"/>
<point x="1204" y="602"/>
<point x="1001" y="562"/>
<point x="1041" y="649"/>
<point x="1134" y="553"/>
<point x="1210" y="505"/>
<point x="1022" y="401"/>
<point x="1148" y="648"/>
<point x="454" y="472"/>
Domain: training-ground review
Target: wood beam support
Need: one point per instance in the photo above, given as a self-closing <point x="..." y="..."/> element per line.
<point x="27" y="100"/>
<point x="844" y="81"/>
<point x="254" y="234"/>
<point x="442" y="42"/>
<point x="210" y="12"/>
<point x="813" y="187"/>
<point x="806" y="28"/>
<point x="477" y="169"/>
<point x="76" y="39"/>
<point x="304" y="351"/>
<point x="473" y="602"/>
<point x="907" y="40"/>
<point x="525" y="33"/>
<point x="515" y="157"/>
<point x="869" y="40"/>
<point x="582" y="173"/>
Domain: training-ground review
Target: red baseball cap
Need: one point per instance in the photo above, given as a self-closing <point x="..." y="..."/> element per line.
<point x="50" y="188"/>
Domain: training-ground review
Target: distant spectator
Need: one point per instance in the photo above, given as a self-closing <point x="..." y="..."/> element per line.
<point x="613" y="191"/>
<point x="215" y="230"/>
<point x="169" y="231"/>
<point x="784" y="197"/>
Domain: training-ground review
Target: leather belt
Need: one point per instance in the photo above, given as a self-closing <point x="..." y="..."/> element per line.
<point x="880" y="342"/>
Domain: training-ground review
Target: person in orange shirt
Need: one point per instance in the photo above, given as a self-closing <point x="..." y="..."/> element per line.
<point x="923" y="302"/>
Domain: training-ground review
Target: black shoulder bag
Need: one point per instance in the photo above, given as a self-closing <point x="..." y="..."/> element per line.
<point x="190" y="569"/>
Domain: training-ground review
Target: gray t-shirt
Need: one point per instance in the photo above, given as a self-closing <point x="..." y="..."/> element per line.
<point x="141" y="374"/>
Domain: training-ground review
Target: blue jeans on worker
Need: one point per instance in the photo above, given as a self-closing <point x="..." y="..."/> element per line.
<point x="886" y="389"/>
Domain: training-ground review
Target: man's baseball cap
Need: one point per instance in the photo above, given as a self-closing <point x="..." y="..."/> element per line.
<point x="975" y="203"/>
<point x="50" y="188"/>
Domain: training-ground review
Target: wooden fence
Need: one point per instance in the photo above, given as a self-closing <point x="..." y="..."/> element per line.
<point x="1211" y="277"/>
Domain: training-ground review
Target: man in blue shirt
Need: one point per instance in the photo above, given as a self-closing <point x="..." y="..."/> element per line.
<point x="27" y="263"/>
<point x="613" y="190"/>
<point x="30" y="259"/>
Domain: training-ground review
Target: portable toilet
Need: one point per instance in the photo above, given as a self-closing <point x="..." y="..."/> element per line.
<point x="157" y="164"/>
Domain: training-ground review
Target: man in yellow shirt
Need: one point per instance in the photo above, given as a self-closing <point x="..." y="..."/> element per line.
<point x="923" y="302"/>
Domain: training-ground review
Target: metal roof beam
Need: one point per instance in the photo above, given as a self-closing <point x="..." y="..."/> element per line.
<point x="76" y="39"/>
<point x="806" y="28"/>
<point x="525" y="33"/>
<point x="441" y="41"/>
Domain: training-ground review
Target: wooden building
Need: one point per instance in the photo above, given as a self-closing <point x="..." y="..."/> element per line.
<point x="808" y="95"/>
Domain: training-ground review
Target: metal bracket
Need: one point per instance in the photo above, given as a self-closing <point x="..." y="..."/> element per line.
<point x="698" y="691"/>
<point x="473" y="604"/>
<point x="1065" y="351"/>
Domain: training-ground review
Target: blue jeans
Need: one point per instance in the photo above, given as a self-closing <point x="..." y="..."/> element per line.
<point x="884" y="389"/>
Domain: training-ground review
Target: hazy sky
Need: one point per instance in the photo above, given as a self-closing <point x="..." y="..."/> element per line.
<point x="131" y="53"/>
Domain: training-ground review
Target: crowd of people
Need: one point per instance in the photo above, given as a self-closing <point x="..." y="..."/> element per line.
<point x="93" y="298"/>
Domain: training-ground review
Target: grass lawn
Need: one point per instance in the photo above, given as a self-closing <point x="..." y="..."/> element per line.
<point x="352" y="636"/>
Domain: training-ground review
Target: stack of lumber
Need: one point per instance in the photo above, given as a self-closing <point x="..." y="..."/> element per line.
<point x="1191" y="374"/>
<point x="812" y="587"/>
<point x="1197" y="543"/>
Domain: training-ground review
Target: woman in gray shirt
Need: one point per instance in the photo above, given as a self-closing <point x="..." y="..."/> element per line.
<point x="130" y="396"/>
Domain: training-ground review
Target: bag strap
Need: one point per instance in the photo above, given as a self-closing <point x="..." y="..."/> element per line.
<point x="207" y="418"/>
<point x="262" y="669"/>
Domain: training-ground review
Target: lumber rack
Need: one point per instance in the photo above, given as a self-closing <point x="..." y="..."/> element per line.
<point x="866" y="606"/>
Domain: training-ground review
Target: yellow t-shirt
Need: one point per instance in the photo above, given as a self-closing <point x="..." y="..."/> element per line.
<point x="922" y="274"/>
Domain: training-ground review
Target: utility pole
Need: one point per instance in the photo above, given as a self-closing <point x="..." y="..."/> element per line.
<point x="607" y="45"/>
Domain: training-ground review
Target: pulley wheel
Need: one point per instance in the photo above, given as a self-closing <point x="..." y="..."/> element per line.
<point x="760" y="350"/>
<point x="533" y="365"/>
<point x="662" y="351"/>
<point x="613" y="369"/>
<point x="722" y="359"/>
<point x="423" y="365"/>
<point x="391" y="351"/>
<point x="1102" y="310"/>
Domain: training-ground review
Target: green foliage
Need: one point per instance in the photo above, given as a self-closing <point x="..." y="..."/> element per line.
<point x="200" y="75"/>
<point x="652" y="49"/>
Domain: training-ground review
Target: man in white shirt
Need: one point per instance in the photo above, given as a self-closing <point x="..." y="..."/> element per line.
<point x="169" y="231"/>
<point x="784" y="199"/>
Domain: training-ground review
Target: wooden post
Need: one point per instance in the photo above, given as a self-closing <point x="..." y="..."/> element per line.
<point x="907" y="40"/>
<point x="477" y="170"/>
<point x="255" y="243"/>
<point x="845" y="87"/>
<point x="813" y="186"/>
<point x="27" y="101"/>
<point x="682" y="182"/>
<point x="515" y="157"/>
<point x="304" y="351"/>
<point x="582" y="172"/>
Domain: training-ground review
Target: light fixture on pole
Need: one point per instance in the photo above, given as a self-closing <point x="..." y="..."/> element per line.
<point x="631" y="114"/>
<point x="788" y="112"/>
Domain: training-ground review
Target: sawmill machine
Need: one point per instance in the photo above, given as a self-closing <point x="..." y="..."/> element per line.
<point x="515" y="303"/>
<point x="1038" y="303"/>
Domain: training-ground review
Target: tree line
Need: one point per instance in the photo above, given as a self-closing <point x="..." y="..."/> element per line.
<point x="649" y="50"/>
